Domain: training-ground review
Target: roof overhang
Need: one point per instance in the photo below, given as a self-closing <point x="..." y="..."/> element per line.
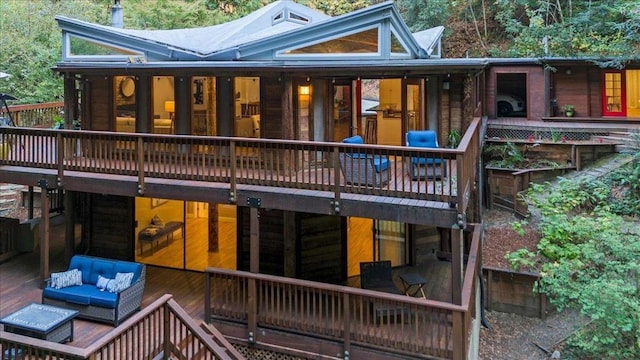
<point x="333" y="68"/>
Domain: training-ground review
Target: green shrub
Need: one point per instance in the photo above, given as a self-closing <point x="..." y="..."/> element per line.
<point x="591" y="263"/>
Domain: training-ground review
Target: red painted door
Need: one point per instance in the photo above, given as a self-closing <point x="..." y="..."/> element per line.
<point x="614" y="94"/>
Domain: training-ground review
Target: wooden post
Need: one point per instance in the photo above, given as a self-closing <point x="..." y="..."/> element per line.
<point x="70" y="225"/>
<point x="44" y="232"/>
<point x="457" y="265"/>
<point x="254" y="240"/>
<point x="31" y="202"/>
<point x="254" y="267"/>
<point x="214" y="227"/>
<point x="289" y="237"/>
<point x="459" y="335"/>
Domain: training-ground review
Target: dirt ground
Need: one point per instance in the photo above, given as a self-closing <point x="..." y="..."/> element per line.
<point x="512" y="336"/>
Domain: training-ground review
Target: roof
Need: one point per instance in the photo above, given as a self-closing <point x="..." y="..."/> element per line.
<point x="282" y="30"/>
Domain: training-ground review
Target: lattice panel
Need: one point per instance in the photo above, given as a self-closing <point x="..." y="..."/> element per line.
<point x="542" y="134"/>
<point x="260" y="354"/>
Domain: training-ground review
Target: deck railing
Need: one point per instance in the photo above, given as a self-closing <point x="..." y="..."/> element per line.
<point x="33" y="115"/>
<point x="160" y="330"/>
<point x="243" y="161"/>
<point x="402" y="325"/>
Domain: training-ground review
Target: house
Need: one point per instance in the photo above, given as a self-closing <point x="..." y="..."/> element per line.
<point x="218" y="150"/>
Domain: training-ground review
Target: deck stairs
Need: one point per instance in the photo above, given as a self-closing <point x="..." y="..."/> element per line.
<point x="626" y="141"/>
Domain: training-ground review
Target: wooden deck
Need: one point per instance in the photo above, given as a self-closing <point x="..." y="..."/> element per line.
<point x="284" y="175"/>
<point x="19" y="279"/>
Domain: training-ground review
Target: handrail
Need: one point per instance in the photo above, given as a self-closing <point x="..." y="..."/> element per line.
<point x="340" y="313"/>
<point x="118" y="343"/>
<point x="263" y="162"/>
<point x="29" y="115"/>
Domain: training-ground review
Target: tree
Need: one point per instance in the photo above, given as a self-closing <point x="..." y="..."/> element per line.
<point x="34" y="45"/>
<point x="577" y="28"/>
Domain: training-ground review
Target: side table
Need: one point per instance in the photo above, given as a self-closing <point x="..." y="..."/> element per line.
<point x="413" y="283"/>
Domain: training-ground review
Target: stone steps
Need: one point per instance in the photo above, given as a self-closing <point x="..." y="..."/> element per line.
<point x="8" y="194"/>
<point x="627" y="141"/>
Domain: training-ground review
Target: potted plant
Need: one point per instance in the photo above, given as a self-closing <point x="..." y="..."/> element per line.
<point x="568" y="110"/>
<point x="454" y="138"/>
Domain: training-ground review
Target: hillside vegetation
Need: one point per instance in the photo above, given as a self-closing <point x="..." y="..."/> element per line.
<point x="605" y="30"/>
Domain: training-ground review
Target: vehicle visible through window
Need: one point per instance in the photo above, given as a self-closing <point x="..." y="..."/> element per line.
<point x="509" y="104"/>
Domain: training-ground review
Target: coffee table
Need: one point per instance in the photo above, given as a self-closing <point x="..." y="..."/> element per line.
<point x="41" y="321"/>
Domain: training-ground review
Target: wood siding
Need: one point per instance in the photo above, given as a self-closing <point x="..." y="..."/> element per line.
<point x="573" y="88"/>
<point x="535" y="89"/>
<point x="111" y="228"/>
<point x="322" y="248"/>
<point x="271" y="241"/>
<point x="100" y="103"/>
<point x="271" y="113"/>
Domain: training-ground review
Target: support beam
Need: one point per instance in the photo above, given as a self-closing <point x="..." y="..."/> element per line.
<point x="31" y="202"/>
<point x="254" y="267"/>
<point x="289" y="238"/>
<point x="70" y="225"/>
<point x="44" y="233"/>
<point x="457" y="265"/>
<point x="254" y="240"/>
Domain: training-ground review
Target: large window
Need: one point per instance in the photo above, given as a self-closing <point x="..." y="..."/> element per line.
<point x="621" y="93"/>
<point x="247" y="107"/>
<point x="164" y="106"/>
<point x="203" y="109"/>
<point x="633" y="92"/>
<point x="125" y="103"/>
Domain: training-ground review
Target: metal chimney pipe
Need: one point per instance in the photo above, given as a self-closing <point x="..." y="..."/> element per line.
<point x="116" y="14"/>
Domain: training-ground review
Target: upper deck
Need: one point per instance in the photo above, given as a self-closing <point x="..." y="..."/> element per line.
<point x="276" y="174"/>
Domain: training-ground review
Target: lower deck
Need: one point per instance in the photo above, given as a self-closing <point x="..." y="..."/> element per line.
<point x="19" y="284"/>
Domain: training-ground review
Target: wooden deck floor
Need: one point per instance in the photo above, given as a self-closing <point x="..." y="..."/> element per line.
<point x="19" y="286"/>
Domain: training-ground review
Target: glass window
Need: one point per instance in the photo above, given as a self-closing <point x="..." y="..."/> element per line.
<point x="247" y="107"/>
<point x="361" y="42"/>
<point x="633" y="93"/>
<point x="203" y="109"/>
<point x="164" y="106"/>
<point x="125" y="103"/>
<point x="83" y="47"/>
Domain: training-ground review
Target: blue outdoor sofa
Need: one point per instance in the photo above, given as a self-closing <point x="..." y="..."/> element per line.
<point x="100" y="289"/>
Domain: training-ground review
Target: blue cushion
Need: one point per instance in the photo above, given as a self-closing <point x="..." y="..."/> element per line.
<point x="422" y="138"/>
<point x="83" y="264"/>
<point x="101" y="267"/>
<point x="426" y="160"/>
<point x="356" y="139"/>
<point x="104" y="299"/>
<point x="74" y="294"/>
<point x="128" y="267"/>
<point x="381" y="163"/>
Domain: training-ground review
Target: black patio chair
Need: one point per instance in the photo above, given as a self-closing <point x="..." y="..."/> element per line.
<point x="377" y="275"/>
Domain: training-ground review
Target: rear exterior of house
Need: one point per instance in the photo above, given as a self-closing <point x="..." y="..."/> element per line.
<point x="234" y="140"/>
<point x="232" y="144"/>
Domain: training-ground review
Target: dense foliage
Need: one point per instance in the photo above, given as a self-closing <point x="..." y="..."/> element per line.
<point x="607" y="30"/>
<point x="590" y="246"/>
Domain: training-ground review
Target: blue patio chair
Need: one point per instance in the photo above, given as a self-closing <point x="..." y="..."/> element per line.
<point x="364" y="169"/>
<point x="425" y="167"/>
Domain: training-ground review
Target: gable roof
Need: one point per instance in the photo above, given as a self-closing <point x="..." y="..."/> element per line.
<point x="269" y="33"/>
